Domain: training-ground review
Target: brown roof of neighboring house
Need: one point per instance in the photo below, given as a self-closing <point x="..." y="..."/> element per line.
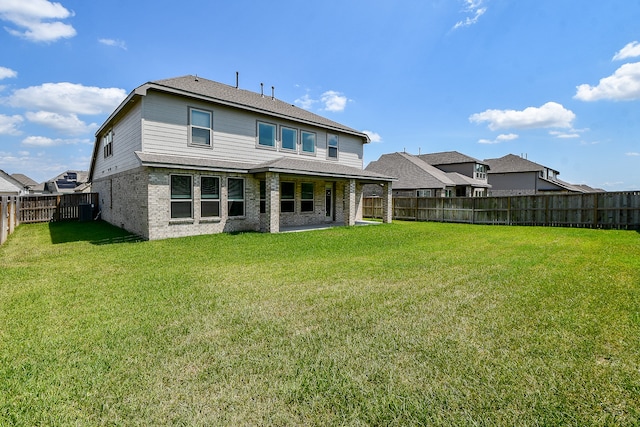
<point x="512" y="163"/>
<point x="25" y="180"/>
<point x="448" y="158"/>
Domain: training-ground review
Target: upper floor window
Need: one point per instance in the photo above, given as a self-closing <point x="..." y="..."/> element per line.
<point x="200" y="122"/>
<point x="332" y="146"/>
<point x="308" y="142"/>
<point x="288" y="138"/>
<point x="209" y="196"/>
<point x="236" y="196"/>
<point x="266" y="134"/>
<point x="480" y="171"/>
<point x="107" y="144"/>
<point x="181" y="196"/>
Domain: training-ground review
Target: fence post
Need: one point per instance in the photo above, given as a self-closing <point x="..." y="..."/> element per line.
<point x="4" y="202"/>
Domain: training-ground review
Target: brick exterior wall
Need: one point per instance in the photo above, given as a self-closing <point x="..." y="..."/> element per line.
<point x="123" y="200"/>
<point x="140" y="202"/>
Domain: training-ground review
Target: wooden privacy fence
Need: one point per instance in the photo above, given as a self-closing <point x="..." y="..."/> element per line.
<point x="57" y="207"/>
<point x="620" y="210"/>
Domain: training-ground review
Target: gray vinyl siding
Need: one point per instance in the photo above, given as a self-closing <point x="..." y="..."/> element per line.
<point x="165" y="129"/>
<point x="127" y="139"/>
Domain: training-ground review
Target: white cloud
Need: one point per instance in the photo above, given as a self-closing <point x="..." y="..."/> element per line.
<point x="500" y="138"/>
<point x="623" y="85"/>
<point x="475" y="8"/>
<point x="632" y="154"/>
<point x="38" y="20"/>
<point x="373" y="136"/>
<point x="6" y="73"/>
<point x="9" y="124"/>
<point x="45" y="141"/>
<point x="67" y="123"/>
<point x="550" y="115"/>
<point x="114" y="43"/>
<point x="305" y="102"/>
<point x="631" y="50"/>
<point x="68" y="98"/>
<point x="564" y="135"/>
<point x="333" y="101"/>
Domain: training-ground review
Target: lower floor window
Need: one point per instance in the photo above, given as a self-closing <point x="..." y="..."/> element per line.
<point x="263" y="196"/>
<point x="210" y="196"/>
<point x="306" y="199"/>
<point x="236" y="196"/>
<point x="181" y="196"/>
<point x="287" y="197"/>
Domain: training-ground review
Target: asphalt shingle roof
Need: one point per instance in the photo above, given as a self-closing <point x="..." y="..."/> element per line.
<point x="512" y="163"/>
<point x="241" y="98"/>
<point x="447" y="158"/>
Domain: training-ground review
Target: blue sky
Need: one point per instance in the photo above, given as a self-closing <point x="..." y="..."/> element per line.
<point x="555" y="80"/>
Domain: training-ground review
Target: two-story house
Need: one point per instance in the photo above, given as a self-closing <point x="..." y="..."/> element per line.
<point x="188" y="156"/>
<point x="457" y="163"/>
<point x="513" y="175"/>
<point x="417" y="177"/>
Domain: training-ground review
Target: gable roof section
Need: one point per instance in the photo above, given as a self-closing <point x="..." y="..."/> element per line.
<point x="512" y="163"/>
<point x="9" y="185"/>
<point x="411" y="172"/>
<point x="24" y="180"/>
<point x="448" y="158"/>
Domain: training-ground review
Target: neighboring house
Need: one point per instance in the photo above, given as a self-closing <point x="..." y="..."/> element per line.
<point x="9" y="186"/>
<point x="28" y="183"/>
<point x="189" y="156"/>
<point x="417" y="178"/>
<point x="513" y="175"/>
<point x="455" y="162"/>
<point x="67" y="182"/>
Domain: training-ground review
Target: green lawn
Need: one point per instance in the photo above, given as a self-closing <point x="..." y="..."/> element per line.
<point x="395" y="324"/>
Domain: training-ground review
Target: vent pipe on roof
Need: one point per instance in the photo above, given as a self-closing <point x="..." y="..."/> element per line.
<point x="262" y="89"/>
<point x="273" y="93"/>
<point x="237" y="79"/>
<point x="196" y="79"/>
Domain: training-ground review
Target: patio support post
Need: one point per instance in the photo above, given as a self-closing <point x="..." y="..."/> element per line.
<point x="272" y="202"/>
<point x="350" y="199"/>
<point x="387" y="203"/>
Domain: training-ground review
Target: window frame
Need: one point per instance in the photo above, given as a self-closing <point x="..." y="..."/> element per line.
<point x="180" y="200"/>
<point x="288" y="202"/>
<point x="295" y="142"/>
<point x="331" y="146"/>
<point x="193" y="126"/>
<point x="274" y="145"/>
<point x="205" y="199"/>
<point x="307" y="204"/>
<point x="107" y="144"/>
<point x="231" y="201"/>
<point x="315" y="143"/>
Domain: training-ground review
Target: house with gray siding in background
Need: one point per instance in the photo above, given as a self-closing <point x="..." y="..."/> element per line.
<point x="513" y="175"/>
<point x="416" y="177"/>
<point x="188" y="156"/>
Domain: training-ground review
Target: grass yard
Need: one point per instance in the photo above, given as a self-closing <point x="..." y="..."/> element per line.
<point x="397" y="324"/>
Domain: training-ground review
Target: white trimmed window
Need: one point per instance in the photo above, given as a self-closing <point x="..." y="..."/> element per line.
<point x="288" y="138"/>
<point x="181" y="196"/>
<point x="266" y="135"/>
<point x="287" y="197"/>
<point x="423" y="193"/>
<point x="332" y="146"/>
<point x="209" y="196"/>
<point x="308" y="142"/>
<point x="235" y="196"/>
<point x="306" y="197"/>
<point x="200" y="124"/>
<point x="107" y="144"/>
